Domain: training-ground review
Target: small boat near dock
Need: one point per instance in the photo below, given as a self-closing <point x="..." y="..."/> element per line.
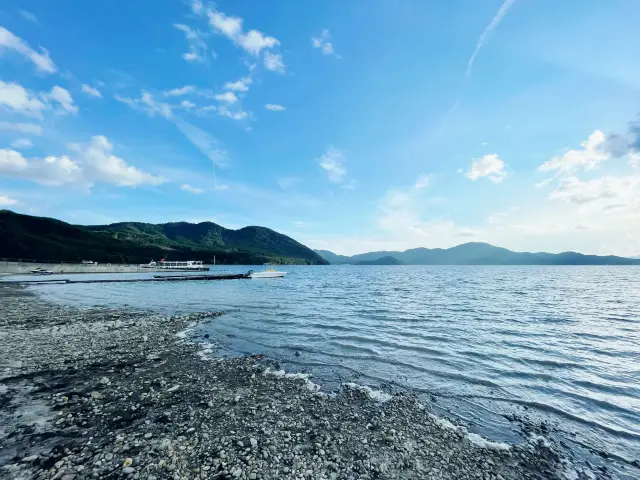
<point x="268" y="273"/>
<point x="40" y="271"/>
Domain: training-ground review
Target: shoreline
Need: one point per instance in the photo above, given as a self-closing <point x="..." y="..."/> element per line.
<point x="101" y="393"/>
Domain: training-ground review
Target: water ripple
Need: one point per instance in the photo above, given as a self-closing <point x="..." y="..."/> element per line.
<point x="555" y="344"/>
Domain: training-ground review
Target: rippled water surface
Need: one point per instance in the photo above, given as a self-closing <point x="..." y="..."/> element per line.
<point x="559" y="345"/>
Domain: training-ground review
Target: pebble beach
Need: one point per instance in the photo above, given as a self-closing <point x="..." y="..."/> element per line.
<point x="103" y="393"/>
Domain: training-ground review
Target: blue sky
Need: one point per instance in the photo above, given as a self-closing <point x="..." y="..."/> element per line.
<point x="351" y="126"/>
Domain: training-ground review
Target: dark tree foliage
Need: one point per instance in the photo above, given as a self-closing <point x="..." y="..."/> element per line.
<point x="24" y="236"/>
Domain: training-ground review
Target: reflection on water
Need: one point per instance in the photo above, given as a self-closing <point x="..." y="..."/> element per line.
<point x="553" y="344"/>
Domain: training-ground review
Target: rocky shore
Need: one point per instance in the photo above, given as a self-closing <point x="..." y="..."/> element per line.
<point x="99" y="393"/>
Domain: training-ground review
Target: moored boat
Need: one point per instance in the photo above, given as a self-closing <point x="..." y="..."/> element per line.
<point x="268" y="273"/>
<point x="170" y="265"/>
<point x="41" y="271"/>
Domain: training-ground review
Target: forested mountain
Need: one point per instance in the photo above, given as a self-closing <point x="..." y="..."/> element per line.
<point x="25" y="236"/>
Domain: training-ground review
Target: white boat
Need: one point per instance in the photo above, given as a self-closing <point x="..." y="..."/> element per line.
<point x="188" y="265"/>
<point x="268" y="273"/>
<point x="41" y="271"/>
<point x="165" y="265"/>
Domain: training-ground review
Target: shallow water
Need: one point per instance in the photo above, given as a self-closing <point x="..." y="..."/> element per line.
<point x="559" y="345"/>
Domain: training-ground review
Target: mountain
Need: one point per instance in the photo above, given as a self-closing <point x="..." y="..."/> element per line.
<point x="24" y="236"/>
<point x="333" y="258"/>
<point x="479" y="254"/>
<point x="388" y="260"/>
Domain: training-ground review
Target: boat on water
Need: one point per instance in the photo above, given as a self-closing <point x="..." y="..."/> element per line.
<point x="169" y="265"/>
<point x="41" y="271"/>
<point x="268" y="273"/>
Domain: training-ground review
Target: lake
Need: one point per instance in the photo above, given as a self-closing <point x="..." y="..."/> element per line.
<point x="556" y="349"/>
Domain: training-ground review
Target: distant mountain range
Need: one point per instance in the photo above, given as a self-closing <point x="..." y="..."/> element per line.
<point x="473" y="254"/>
<point x="24" y="236"/>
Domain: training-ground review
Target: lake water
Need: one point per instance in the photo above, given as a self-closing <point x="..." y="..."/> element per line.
<point x="558" y="346"/>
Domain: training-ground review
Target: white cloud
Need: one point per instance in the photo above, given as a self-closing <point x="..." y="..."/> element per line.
<point x="22" y="143"/>
<point x="489" y="166"/>
<point x="187" y="104"/>
<point x="273" y="62"/>
<point x="28" y="15"/>
<point x="300" y="224"/>
<point x="188" y="188"/>
<point x="502" y="11"/>
<point x="206" y="109"/>
<point x="11" y="162"/>
<point x="400" y="216"/>
<point x="423" y="181"/>
<point x="588" y="157"/>
<point x="178" y="92"/>
<point x="332" y="162"/>
<point x="274" y="107"/>
<point x="6" y="201"/>
<point x="605" y="193"/>
<point x="198" y="49"/>
<point x="92" y="162"/>
<point x="146" y="103"/>
<point x="241" y="85"/>
<point x="323" y="42"/>
<point x="63" y="97"/>
<point x="253" y="41"/>
<point x="16" y="98"/>
<point x="26" y="128"/>
<point x="91" y="91"/>
<point x="229" y="26"/>
<point x="234" y="115"/>
<point x="634" y="159"/>
<point x="197" y="7"/>
<point x="544" y="183"/>
<point x="42" y="61"/>
<point x="103" y="165"/>
<point x="227" y="97"/>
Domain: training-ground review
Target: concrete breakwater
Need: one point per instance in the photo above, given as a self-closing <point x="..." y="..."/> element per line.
<point x="20" y="268"/>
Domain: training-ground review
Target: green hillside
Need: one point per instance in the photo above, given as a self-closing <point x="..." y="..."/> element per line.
<point x="24" y="236"/>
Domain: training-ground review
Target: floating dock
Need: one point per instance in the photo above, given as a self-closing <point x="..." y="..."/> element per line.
<point x="156" y="278"/>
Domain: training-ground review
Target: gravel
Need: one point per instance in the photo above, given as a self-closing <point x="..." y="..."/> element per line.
<point x="99" y="393"/>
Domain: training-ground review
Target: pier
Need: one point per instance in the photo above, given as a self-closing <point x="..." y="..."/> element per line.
<point x="64" y="268"/>
<point x="156" y="278"/>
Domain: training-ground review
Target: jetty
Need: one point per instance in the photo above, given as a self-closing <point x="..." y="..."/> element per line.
<point x="156" y="278"/>
<point x="64" y="268"/>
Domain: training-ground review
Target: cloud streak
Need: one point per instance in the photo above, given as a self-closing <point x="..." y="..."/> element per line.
<point x="42" y="61"/>
<point x="504" y="8"/>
